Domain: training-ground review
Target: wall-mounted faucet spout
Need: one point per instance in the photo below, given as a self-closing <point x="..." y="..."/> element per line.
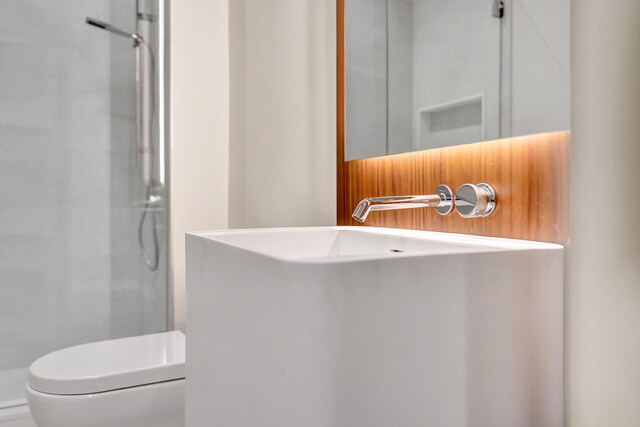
<point x="442" y="200"/>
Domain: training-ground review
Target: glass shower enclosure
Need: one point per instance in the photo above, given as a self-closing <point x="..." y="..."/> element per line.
<point x="83" y="182"/>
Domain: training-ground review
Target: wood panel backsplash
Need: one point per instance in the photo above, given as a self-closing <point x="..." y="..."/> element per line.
<point x="529" y="174"/>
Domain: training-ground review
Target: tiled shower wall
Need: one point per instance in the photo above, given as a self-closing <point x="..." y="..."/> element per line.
<point x="70" y="266"/>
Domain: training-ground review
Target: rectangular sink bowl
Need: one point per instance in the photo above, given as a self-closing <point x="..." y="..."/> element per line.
<point x="368" y="327"/>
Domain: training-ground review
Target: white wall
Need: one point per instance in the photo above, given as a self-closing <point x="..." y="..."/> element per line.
<point x="283" y="113"/>
<point x="603" y="282"/>
<point x="254" y="147"/>
<point x="199" y="127"/>
<point x="54" y="181"/>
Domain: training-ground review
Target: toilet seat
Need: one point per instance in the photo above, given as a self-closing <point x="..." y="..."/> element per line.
<point x="110" y="365"/>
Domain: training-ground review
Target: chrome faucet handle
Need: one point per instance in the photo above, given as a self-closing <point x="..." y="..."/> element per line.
<point x="475" y="201"/>
<point x="442" y="200"/>
<point x="446" y="197"/>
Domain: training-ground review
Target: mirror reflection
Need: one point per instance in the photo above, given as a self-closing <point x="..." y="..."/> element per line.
<point x="422" y="74"/>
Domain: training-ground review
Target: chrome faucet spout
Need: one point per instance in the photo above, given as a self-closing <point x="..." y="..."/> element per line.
<point x="442" y="200"/>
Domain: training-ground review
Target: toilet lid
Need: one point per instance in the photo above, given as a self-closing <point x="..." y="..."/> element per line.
<point x="110" y="365"/>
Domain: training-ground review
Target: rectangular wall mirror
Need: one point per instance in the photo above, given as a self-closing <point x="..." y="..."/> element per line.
<point x="422" y="74"/>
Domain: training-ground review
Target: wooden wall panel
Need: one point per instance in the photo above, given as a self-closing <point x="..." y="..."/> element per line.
<point x="530" y="175"/>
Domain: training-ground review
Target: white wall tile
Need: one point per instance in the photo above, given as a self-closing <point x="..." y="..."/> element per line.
<point x="69" y="182"/>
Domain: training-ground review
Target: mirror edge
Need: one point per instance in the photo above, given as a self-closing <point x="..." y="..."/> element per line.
<point x="342" y="216"/>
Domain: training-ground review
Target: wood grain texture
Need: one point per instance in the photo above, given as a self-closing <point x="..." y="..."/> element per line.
<point x="529" y="174"/>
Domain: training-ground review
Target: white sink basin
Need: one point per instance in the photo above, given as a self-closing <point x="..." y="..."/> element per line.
<point x="333" y="244"/>
<point x="362" y="326"/>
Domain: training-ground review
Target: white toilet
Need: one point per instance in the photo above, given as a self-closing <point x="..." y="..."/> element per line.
<point x="129" y="382"/>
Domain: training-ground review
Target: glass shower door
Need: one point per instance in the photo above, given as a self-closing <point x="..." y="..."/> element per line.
<point x="75" y="208"/>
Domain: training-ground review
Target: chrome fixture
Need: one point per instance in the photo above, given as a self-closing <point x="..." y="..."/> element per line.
<point x="114" y="30"/>
<point x="475" y="201"/>
<point x="145" y="113"/>
<point x="442" y="200"/>
<point x="497" y="9"/>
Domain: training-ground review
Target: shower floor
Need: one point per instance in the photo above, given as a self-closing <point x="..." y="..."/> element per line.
<point x="12" y="384"/>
